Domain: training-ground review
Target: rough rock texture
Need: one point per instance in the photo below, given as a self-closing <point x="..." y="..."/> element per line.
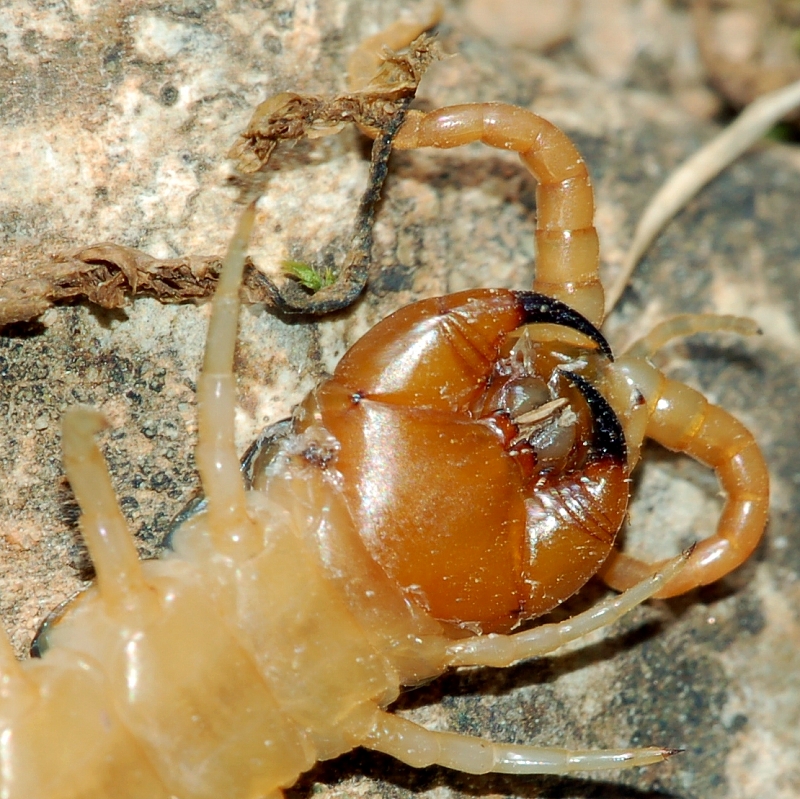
<point x="113" y="127"/>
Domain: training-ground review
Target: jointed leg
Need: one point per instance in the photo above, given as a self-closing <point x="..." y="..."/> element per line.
<point x="419" y="747"/>
<point x="687" y="324"/>
<point x="504" y="650"/>
<point x="217" y="460"/>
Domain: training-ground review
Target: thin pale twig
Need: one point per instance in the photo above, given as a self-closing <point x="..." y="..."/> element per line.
<point x="699" y="169"/>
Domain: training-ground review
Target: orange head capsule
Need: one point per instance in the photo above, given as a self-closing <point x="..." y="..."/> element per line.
<point x="487" y="476"/>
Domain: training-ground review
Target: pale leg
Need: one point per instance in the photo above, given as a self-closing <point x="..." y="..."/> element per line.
<point x="504" y="650"/>
<point x="217" y="461"/>
<point x="418" y="747"/>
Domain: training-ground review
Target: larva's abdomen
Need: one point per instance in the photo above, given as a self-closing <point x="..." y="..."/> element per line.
<point x="309" y="648"/>
<point x="186" y="688"/>
<point x="222" y="678"/>
<point x="96" y="757"/>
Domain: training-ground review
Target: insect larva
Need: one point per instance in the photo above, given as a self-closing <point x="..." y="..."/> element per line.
<point x="87" y="613"/>
<point x="204" y="694"/>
